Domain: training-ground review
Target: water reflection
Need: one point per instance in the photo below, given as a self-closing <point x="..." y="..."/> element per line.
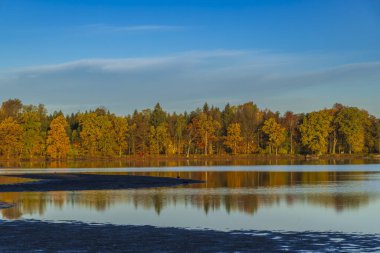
<point x="228" y="199"/>
<point x="14" y="180"/>
<point x="182" y="162"/>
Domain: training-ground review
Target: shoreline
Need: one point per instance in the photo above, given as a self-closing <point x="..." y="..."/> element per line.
<point x="201" y="160"/>
<point x="200" y="157"/>
<point x="79" y="237"/>
<point x="82" y="182"/>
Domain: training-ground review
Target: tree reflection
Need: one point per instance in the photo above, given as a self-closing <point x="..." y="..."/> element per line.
<point x="175" y="162"/>
<point x="230" y="191"/>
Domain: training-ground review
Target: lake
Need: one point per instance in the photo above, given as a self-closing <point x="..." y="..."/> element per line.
<point x="338" y="198"/>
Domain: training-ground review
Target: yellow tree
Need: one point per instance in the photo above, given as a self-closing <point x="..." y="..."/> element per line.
<point x="275" y="132"/>
<point x="315" y="129"/>
<point x="159" y="139"/>
<point x="120" y="130"/>
<point x="10" y="137"/>
<point x="233" y="139"/>
<point x="249" y="117"/>
<point x="97" y="135"/>
<point x="33" y="138"/>
<point x="89" y="134"/>
<point x="351" y="123"/>
<point x="154" y="148"/>
<point x="206" y="128"/>
<point x="58" y="143"/>
<point x="163" y="138"/>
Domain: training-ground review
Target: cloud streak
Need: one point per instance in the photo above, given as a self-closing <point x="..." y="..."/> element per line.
<point x="130" y="64"/>
<point x="184" y="81"/>
<point x="106" y="28"/>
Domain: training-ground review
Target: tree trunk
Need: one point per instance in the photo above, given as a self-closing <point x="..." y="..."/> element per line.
<point x="188" y="149"/>
<point x="206" y="143"/>
<point x="335" y="141"/>
<point x="291" y="143"/>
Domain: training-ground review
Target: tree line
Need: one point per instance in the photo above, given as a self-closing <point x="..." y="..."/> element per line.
<point x="29" y="132"/>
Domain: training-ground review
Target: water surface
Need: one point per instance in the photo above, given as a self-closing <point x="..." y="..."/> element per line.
<point x="286" y="198"/>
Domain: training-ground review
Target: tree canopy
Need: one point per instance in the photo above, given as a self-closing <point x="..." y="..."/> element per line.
<point x="29" y="132"/>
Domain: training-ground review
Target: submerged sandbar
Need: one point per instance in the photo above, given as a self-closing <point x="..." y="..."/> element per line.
<point x="81" y="182"/>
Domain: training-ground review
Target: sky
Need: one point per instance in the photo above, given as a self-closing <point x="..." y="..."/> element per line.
<point x="298" y="55"/>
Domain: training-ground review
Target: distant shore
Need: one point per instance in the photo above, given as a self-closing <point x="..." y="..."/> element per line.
<point x="200" y="157"/>
<point x="80" y="182"/>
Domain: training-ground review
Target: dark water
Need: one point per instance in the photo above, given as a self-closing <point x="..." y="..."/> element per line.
<point x="37" y="236"/>
<point x="344" y="198"/>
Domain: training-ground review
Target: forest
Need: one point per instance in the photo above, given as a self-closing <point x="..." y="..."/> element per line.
<point x="29" y="132"/>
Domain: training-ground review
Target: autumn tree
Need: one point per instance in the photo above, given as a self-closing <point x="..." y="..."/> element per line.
<point x="131" y="137"/>
<point x="97" y="135"/>
<point x="58" y="143"/>
<point x="228" y="117"/>
<point x="190" y="137"/>
<point x="11" y="108"/>
<point x="89" y="134"/>
<point x="33" y="137"/>
<point x="249" y="117"/>
<point x="120" y="130"/>
<point x="154" y="148"/>
<point x="370" y="129"/>
<point x="206" y="128"/>
<point x="179" y="133"/>
<point x="10" y="138"/>
<point x="351" y="122"/>
<point x="315" y="130"/>
<point x="141" y="132"/>
<point x="159" y="139"/>
<point x="378" y="136"/>
<point x="275" y="132"/>
<point x="290" y="122"/>
<point x="233" y="139"/>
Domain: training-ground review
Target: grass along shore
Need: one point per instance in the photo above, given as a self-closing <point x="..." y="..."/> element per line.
<point x="181" y="160"/>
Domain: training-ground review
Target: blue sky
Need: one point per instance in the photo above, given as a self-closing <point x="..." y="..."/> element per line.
<point x="284" y="55"/>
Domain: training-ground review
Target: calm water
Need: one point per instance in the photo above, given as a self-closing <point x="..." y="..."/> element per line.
<point x="342" y="198"/>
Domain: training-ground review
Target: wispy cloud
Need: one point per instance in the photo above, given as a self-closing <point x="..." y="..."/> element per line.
<point x="183" y="81"/>
<point x="130" y="64"/>
<point x="107" y="28"/>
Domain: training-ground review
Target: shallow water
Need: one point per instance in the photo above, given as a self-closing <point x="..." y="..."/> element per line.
<point x="340" y="198"/>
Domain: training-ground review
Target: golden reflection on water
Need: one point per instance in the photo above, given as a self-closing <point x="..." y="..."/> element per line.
<point x="180" y="162"/>
<point x="4" y="180"/>
<point x="243" y="192"/>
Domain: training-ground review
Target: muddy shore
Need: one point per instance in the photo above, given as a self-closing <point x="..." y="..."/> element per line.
<point x="33" y="236"/>
<point x="80" y="182"/>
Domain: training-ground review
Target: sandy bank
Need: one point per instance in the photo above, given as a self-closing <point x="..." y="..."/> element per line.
<point x="78" y="182"/>
<point x="5" y="205"/>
